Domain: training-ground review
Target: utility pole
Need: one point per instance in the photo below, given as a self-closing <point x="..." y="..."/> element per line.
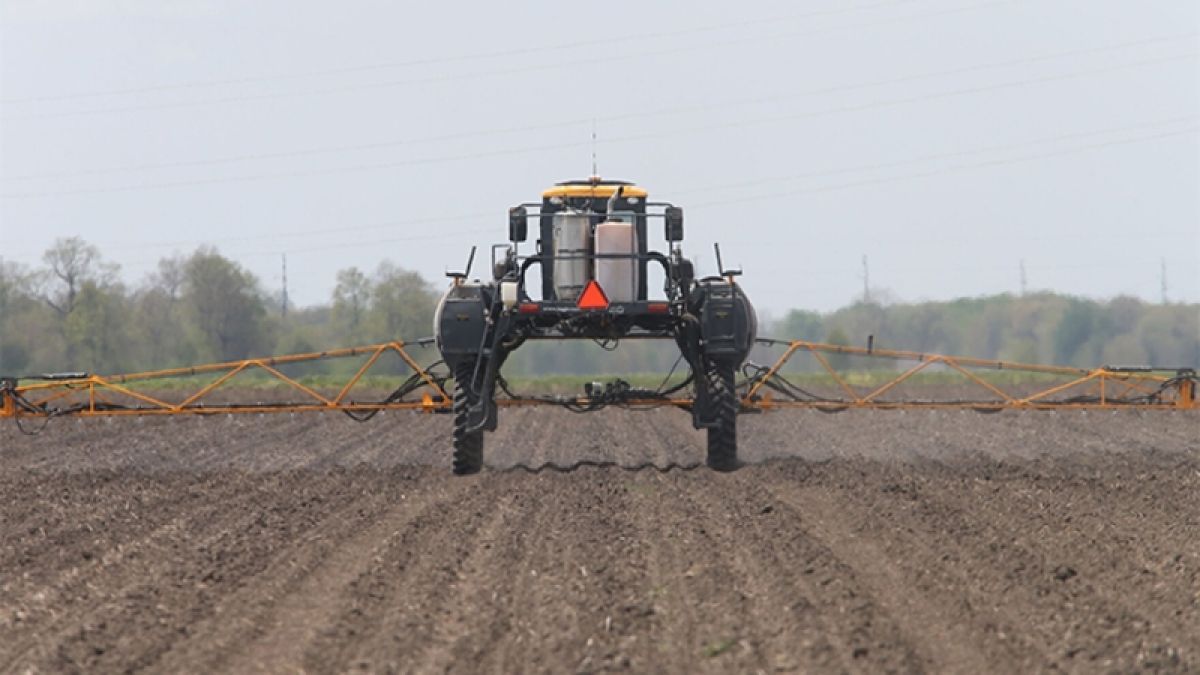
<point x="1024" y="280"/>
<point x="285" y="298"/>
<point x="1164" y="281"/>
<point x="866" y="275"/>
<point x="2" y="312"/>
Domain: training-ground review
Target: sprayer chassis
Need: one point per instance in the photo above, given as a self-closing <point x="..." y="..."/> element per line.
<point x="585" y="227"/>
<point x="710" y="320"/>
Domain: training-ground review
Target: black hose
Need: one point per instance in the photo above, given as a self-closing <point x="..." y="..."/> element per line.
<point x="617" y="393"/>
<point x="414" y="382"/>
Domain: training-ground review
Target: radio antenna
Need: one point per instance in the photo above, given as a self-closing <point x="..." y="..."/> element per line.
<point x="595" y="172"/>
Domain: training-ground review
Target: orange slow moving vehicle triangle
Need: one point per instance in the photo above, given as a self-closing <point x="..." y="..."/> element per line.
<point x="593" y="297"/>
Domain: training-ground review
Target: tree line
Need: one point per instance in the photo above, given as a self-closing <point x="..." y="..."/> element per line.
<point x="1042" y="327"/>
<point x="74" y="313"/>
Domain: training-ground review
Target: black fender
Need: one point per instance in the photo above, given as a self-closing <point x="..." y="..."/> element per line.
<point x="728" y="322"/>
<point x="461" y="321"/>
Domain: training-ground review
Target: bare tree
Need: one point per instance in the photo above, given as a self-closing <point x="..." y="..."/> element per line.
<point x="158" y="317"/>
<point x="170" y="276"/>
<point x="350" y="298"/>
<point x="71" y="262"/>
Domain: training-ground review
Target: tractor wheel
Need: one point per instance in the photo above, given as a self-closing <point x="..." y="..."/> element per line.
<point x="468" y="445"/>
<point x="722" y="438"/>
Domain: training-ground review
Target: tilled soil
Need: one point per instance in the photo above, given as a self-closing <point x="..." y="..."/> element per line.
<point x="862" y="542"/>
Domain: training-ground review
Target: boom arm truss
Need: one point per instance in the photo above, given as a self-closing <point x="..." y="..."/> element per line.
<point x="764" y="388"/>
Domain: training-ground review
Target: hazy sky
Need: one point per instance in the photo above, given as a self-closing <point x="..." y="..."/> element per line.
<point x="946" y="140"/>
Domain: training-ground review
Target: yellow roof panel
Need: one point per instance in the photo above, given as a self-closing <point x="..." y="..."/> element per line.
<point x="600" y="190"/>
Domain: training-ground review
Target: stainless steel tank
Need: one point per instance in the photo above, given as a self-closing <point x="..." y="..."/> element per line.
<point x="617" y="276"/>
<point x="572" y="253"/>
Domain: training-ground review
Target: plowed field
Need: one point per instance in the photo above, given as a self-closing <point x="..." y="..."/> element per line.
<point x="862" y="542"/>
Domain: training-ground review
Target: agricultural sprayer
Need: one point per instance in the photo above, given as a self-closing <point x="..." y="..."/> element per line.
<point x="589" y="276"/>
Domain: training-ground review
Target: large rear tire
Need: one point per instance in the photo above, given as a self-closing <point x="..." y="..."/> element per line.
<point x="468" y="445"/>
<point x="722" y="438"/>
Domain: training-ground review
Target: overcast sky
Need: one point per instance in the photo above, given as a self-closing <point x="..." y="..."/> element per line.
<point x="946" y="140"/>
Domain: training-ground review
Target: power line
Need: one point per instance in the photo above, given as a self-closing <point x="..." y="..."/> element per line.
<point x="915" y="99"/>
<point x="620" y="117"/>
<point x="1045" y="140"/>
<point x="783" y="179"/>
<point x="431" y="220"/>
<point x="706" y="46"/>
<point x="626" y="139"/>
<point x="338" y="246"/>
<point x="1000" y="269"/>
<point x="945" y="170"/>
<point x="309" y="172"/>
<point x="827" y="188"/>
<point x="477" y="56"/>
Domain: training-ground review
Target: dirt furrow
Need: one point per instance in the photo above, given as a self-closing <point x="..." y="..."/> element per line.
<point x="383" y="617"/>
<point x="867" y="541"/>
<point x="1124" y="559"/>
<point x="1015" y="591"/>
<point x="698" y="589"/>
<point x="89" y="607"/>
<point x="54" y="586"/>
<point x="932" y="608"/>
<point x="266" y="623"/>
<point x="554" y="585"/>
<point x="790" y="561"/>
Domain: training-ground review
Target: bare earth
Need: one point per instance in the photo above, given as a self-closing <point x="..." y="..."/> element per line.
<point x="861" y="542"/>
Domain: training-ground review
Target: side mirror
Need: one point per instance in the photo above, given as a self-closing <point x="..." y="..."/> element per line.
<point x="674" y="220"/>
<point x="518" y="224"/>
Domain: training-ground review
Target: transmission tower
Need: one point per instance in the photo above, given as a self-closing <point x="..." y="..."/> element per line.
<point x="283" y="310"/>
<point x="866" y="276"/>
<point x="1163" y="275"/>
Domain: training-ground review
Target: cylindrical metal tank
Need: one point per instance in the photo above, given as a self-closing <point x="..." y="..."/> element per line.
<point x="572" y="253"/>
<point x="617" y="276"/>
